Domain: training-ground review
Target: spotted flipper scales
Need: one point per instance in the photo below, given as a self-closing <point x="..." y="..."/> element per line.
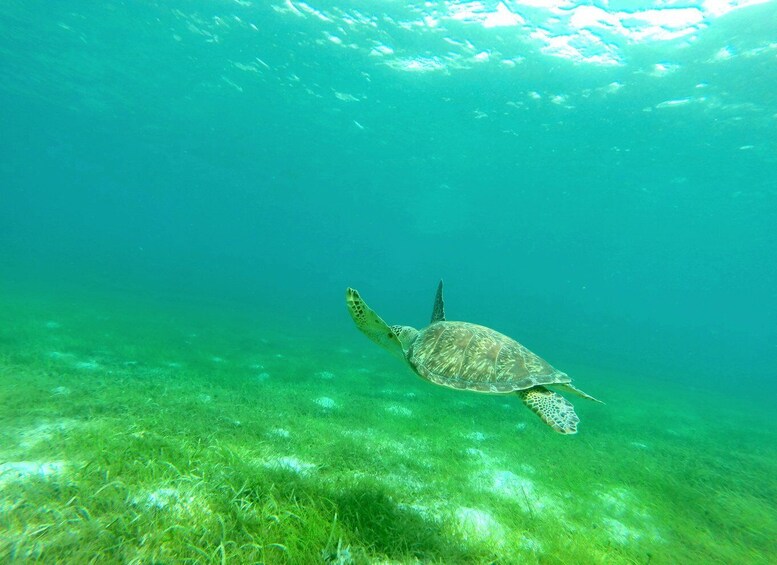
<point x="438" y="312"/>
<point x="370" y="324"/>
<point x="555" y="410"/>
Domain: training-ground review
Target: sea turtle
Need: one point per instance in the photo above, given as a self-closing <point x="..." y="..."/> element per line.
<point x="467" y="356"/>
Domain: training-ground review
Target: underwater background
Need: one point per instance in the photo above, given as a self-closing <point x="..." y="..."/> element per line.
<point x="188" y="187"/>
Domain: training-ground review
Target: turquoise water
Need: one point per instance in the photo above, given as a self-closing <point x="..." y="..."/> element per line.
<point x="187" y="188"/>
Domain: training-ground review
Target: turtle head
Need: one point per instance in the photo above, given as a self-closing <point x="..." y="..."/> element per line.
<point x="394" y="338"/>
<point x="406" y="336"/>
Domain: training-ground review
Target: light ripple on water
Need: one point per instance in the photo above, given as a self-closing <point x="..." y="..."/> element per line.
<point x="325" y="402"/>
<point x="44" y="431"/>
<point x="13" y="471"/>
<point x="399" y="410"/>
<point x="170" y="499"/>
<point x="521" y="489"/>
<point x="289" y="463"/>
<point x="625" y="517"/>
<point x="479" y="525"/>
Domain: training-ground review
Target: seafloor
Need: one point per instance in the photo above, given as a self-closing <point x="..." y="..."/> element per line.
<point x="141" y="432"/>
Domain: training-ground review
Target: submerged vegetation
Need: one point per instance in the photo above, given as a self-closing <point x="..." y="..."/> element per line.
<point x="134" y="434"/>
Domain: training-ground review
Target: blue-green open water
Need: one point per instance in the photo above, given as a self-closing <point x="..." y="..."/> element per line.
<point x="598" y="181"/>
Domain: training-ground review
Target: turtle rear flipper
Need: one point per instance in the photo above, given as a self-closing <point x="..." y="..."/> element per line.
<point x="555" y="410"/>
<point x="569" y="387"/>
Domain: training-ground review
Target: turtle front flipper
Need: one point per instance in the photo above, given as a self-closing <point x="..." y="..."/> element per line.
<point x="370" y="324"/>
<point x="555" y="410"/>
<point x="438" y="312"/>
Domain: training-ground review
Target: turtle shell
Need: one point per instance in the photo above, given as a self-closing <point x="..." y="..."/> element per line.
<point x="471" y="357"/>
